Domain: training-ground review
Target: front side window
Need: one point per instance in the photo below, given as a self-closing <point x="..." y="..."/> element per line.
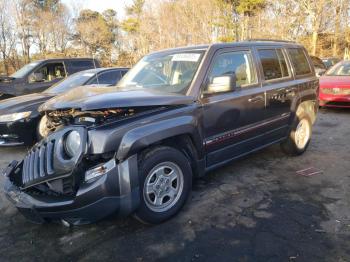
<point x="166" y="72"/>
<point x="238" y="63"/>
<point x="47" y="73"/>
<point x="299" y="61"/>
<point x="25" y="70"/>
<point x="273" y="63"/>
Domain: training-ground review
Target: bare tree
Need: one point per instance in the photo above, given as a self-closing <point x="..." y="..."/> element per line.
<point x="24" y="23"/>
<point x="7" y="34"/>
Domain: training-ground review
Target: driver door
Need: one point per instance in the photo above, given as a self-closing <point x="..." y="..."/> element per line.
<point x="230" y="119"/>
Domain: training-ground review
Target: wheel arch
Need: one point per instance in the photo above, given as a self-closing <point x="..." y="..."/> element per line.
<point x="181" y="133"/>
<point x="308" y="107"/>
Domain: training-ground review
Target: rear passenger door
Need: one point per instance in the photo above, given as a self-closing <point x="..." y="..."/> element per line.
<point x="230" y="118"/>
<point x="280" y="90"/>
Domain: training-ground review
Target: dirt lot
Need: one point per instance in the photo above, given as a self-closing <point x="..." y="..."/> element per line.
<point x="256" y="209"/>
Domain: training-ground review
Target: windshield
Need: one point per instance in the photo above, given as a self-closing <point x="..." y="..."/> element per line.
<point x="24" y="70"/>
<point x="342" y="69"/>
<point x="171" y="73"/>
<point x="73" y="81"/>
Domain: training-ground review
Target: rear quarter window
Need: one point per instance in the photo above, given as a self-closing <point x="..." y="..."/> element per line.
<point x="299" y="61"/>
<point x="80" y="64"/>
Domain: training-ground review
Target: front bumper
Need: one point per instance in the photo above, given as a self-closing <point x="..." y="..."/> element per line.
<point x="329" y="100"/>
<point x="21" y="132"/>
<point x="115" y="192"/>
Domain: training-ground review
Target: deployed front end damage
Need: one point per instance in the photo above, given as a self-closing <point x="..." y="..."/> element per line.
<point x="60" y="180"/>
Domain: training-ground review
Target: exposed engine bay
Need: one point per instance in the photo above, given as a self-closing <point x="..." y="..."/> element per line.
<point x="55" y="120"/>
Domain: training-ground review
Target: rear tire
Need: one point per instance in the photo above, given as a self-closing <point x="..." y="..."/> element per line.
<point x="165" y="178"/>
<point x="299" y="136"/>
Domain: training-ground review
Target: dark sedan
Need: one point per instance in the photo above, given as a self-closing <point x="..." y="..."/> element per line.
<point x="19" y="116"/>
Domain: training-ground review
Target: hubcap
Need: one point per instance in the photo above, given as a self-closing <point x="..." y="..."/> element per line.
<point x="302" y="134"/>
<point x="163" y="186"/>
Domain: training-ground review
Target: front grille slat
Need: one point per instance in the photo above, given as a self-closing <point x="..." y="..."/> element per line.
<point x="31" y="166"/>
<point x="36" y="165"/>
<point x="42" y="161"/>
<point x="25" y="165"/>
<point x="49" y="158"/>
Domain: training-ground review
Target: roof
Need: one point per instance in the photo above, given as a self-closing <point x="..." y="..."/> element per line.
<point x="102" y="69"/>
<point x="65" y="59"/>
<point x="250" y="43"/>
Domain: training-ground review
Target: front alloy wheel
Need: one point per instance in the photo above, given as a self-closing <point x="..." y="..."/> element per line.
<point x="166" y="178"/>
<point x="163" y="186"/>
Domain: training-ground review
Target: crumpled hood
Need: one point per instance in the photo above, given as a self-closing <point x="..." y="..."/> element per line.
<point x="23" y="103"/>
<point x="94" y="98"/>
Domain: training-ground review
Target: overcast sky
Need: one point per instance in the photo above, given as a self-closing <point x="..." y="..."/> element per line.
<point x="100" y="5"/>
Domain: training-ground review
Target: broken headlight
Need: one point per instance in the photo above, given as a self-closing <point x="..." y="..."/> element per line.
<point x="99" y="170"/>
<point x="72" y="143"/>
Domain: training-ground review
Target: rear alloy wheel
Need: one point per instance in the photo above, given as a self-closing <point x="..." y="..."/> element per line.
<point x="166" y="179"/>
<point x="299" y="136"/>
<point x="302" y="134"/>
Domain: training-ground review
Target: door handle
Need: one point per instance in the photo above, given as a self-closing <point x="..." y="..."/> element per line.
<point x="255" y="99"/>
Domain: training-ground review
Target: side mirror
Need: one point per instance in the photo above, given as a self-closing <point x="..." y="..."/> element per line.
<point x="220" y="84"/>
<point x="36" y="77"/>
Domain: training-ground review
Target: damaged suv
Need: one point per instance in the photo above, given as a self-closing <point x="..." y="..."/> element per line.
<point x="177" y="114"/>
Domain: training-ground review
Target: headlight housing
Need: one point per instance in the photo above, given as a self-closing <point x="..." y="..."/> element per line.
<point x="14" y="117"/>
<point x="100" y="170"/>
<point x="72" y="143"/>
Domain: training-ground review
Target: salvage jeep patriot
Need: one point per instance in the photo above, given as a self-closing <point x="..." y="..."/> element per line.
<point x="177" y="114"/>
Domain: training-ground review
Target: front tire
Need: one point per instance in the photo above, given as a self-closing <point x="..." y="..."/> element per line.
<point x="299" y="137"/>
<point x="165" y="177"/>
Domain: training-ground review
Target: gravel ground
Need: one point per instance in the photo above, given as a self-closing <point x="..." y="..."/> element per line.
<point x="256" y="209"/>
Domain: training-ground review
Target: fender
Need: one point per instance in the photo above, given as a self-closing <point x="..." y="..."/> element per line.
<point x="139" y="138"/>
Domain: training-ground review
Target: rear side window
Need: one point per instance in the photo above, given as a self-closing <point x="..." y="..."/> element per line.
<point x="107" y="78"/>
<point x="273" y="63"/>
<point x="299" y="61"/>
<point x="84" y="63"/>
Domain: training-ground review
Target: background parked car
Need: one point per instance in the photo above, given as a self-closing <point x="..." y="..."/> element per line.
<point x="320" y="67"/>
<point x="335" y="86"/>
<point x="330" y="61"/>
<point x="40" y="75"/>
<point x="19" y="116"/>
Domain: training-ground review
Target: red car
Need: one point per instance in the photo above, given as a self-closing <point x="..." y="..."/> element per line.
<point x="335" y="86"/>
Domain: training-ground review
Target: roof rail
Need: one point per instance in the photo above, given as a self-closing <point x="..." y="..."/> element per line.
<point x="269" y="40"/>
